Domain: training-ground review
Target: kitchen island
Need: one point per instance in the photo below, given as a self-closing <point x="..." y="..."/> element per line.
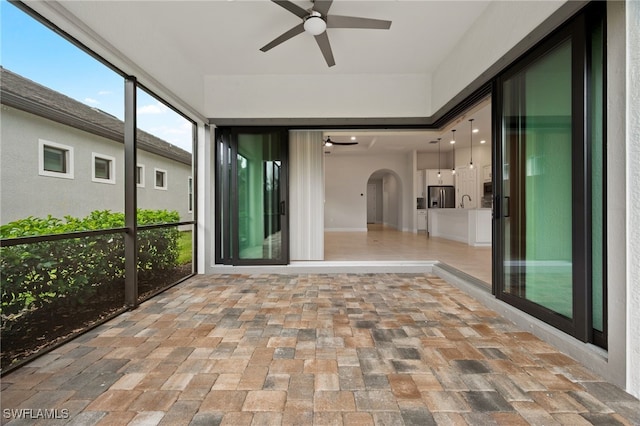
<point x="470" y="226"/>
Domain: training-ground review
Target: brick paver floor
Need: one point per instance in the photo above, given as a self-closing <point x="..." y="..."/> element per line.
<point x="341" y="349"/>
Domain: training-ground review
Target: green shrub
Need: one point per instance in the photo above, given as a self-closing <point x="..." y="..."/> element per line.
<point x="72" y="270"/>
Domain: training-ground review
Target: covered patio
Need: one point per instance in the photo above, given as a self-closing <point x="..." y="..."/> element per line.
<point x="352" y="349"/>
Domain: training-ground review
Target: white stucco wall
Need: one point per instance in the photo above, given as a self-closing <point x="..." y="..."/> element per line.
<point x="501" y="26"/>
<point x="175" y="196"/>
<point x="481" y="157"/>
<point x="352" y="95"/>
<point x="25" y="193"/>
<point x="633" y="198"/>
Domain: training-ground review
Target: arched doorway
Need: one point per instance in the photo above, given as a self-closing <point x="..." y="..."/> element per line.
<point x="384" y="199"/>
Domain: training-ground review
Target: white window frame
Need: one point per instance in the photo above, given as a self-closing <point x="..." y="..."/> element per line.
<point x="69" y="159"/>
<point x="141" y="184"/>
<point x="112" y="168"/>
<point x="155" y="181"/>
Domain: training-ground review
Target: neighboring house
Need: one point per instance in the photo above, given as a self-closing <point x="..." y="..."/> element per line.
<point x="63" y="157"/>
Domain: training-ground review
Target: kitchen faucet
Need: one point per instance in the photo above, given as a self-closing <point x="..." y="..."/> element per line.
<point x="462" y="200"/>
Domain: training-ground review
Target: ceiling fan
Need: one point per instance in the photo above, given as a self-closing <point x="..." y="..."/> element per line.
<point x="316" y="20"/>
<point x="329" y="142"/>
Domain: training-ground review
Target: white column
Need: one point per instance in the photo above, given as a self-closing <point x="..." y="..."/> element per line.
<point x="633" y="195"/>
<point x="619" y="366"/>
<point x="206" y="188"/>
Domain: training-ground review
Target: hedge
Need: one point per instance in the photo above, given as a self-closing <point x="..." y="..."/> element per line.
<point x="72" y="270"/>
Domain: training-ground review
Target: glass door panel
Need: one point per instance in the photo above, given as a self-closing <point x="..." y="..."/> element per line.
<point x="260" y="203"/>
<point x="537" y="183"/>
<point x="550" y="180"/>
<point x="251" y="196"/>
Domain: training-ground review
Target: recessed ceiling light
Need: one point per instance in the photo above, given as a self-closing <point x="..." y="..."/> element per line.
<point x="452" y="142"/>
<point x="483" y="141"/>
<point x="353" y="138"/>
<point x="475" y="130"/>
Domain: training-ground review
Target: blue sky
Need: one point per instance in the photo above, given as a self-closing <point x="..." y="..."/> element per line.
<point x="32" y="50"/>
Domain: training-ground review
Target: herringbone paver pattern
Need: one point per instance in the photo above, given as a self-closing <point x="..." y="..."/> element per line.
<point x="352" y="349"/>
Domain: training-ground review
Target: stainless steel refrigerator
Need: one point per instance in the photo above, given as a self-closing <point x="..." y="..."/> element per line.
<point x="441" y="197"/>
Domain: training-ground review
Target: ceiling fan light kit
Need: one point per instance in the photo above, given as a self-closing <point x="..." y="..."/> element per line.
<point x="316" y="20"/>
<point x="314" y="24"/>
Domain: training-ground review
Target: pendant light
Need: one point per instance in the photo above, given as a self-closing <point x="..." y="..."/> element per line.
<point x="439" y="175"/>
<point x="453" y="142"/>
<point x="471" y="144"/>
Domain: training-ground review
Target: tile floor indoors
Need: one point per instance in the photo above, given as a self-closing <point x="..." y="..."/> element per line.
<point x="385" y="243"/>
<point x="323" y="349"/>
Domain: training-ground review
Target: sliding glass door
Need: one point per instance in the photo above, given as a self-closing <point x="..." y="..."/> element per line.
<point x="251" y="184"/>
<point x="536" y="183"/>
<point x="549" y="180"/>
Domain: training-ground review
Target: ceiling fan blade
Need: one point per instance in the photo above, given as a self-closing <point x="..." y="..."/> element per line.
<point x="325" y="48"/>
<point x="292" y="7"/>
<point x="322" y="6"/>
<point x="336" y="21"/>
<point x="329" y="142"/>
<point x="298" y="29"/>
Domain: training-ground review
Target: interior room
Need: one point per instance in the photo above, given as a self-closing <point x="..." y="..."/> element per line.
<point x="375" y="193"/>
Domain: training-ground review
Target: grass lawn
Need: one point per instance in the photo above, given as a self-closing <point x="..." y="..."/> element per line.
<point x="185" y="247"/>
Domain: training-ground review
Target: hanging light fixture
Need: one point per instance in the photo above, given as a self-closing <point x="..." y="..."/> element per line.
<point x="471" y="146"/>
<point x="453" y="142"/>
<point x="439" y="175"/>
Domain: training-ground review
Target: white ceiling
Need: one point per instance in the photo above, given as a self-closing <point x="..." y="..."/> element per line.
<point x="179" y="44"/>
<point x="221" y="37"/>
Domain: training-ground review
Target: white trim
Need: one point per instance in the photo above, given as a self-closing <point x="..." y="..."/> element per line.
<point x="112" y="168"/>
<point x="166" y="176"/>
<point x="69" y="159"/>
<point x="332" y="267"/>
<point x="141" y="184"/>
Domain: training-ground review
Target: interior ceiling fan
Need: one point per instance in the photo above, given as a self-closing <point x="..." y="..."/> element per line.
<point x="329" y="142"/>
<point x="316" y="20"/>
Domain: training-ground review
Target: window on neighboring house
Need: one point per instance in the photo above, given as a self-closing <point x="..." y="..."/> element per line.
<point x="140" y="175"/>
<point x="103" y="168"/>
<point x="190" y="194"/>
<point x="55" y="160"/>
<point x="161" y="179"/>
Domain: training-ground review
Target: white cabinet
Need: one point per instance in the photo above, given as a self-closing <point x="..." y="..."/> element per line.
<point x="486" y="173"/>
<point x="446" y="178"/>
<point x="422" y="220"/>
<point x="429" y="177"/>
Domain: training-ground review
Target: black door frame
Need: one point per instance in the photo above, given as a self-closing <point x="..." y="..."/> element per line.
<point x="581" y="324"/>
<point x="226" y="196"/>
